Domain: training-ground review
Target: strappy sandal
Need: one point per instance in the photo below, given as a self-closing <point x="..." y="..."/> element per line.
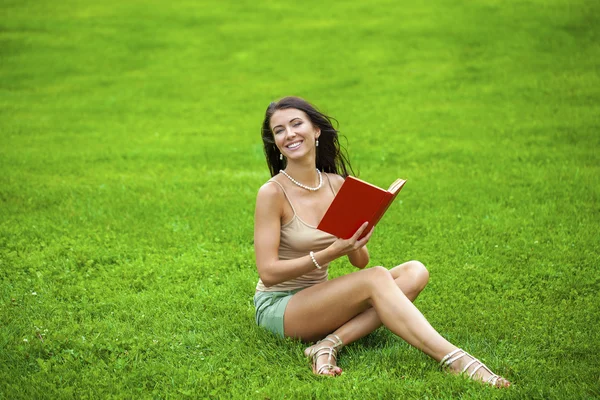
<point x="494" y="380"/>
<point x="330" y="351"/>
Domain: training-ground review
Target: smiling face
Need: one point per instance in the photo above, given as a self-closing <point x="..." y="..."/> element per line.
<point x="294" y="133"/>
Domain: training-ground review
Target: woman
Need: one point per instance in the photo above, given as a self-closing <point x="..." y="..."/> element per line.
<point x="293" y="297"/>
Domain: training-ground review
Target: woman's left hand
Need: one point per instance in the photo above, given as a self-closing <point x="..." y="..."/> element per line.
<point x="344" y="246"/>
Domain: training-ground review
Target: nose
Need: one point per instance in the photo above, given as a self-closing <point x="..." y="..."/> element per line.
<point x="289" y="132"/>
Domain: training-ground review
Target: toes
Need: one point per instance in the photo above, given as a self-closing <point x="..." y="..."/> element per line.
<point x="334" y="371"/>
<point x="321" y="363"/>
<point x="307" y="351"/>
<point x="502" y="383"/>
<point x="326" y="371"/>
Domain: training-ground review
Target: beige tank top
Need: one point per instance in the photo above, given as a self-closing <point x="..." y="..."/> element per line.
<point x="297" y="240"/>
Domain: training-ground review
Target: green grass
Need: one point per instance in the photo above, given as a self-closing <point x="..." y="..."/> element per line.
<point x="130" y="158"/>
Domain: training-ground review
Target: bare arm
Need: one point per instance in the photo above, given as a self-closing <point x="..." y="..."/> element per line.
<point x="267" y="230"/>
<point x="360" y="257"/>
<point x="267" y="227"/>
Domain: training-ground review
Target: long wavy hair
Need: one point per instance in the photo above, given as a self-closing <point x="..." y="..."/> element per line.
<point x="331" y="157"/>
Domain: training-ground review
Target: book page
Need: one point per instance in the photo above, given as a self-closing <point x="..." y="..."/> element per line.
<point x="396" y="185"/>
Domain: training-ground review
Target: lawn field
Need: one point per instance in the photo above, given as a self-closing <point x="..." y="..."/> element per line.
<point x="130" y="158"/>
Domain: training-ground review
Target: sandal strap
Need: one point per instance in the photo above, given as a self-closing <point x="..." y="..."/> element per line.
<point x="336" y="343"/>
<point x="447" y="356"/>
<point x="476" y="369"/>
<point x="473" y="361"/>
<point x="331" y="353"/>
<point x="492" y="380"/>
<point x="450" y="361"/>
<point x="447" y="360"/>
<point x="329" y="350"/>
<point x="327" y="367"/>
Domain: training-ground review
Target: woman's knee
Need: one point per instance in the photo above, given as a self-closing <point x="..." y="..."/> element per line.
<point x="420" y="272"/>
<point x="417" y="271"/>
<point x="379" y="274"/>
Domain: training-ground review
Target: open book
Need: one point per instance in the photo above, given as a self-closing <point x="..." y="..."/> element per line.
<point x="355" y="203"/>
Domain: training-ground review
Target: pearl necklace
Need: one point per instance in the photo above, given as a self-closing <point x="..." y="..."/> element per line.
<point x="312" y="189"/>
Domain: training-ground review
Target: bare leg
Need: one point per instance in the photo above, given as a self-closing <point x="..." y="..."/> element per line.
<point x="411" y="277"/>
<point x="323" y="308"/>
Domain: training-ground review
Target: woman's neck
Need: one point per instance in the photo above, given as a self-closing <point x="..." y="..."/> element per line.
<point x="305" y="173"/>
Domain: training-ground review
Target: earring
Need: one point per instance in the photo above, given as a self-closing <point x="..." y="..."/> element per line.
<point x="317" y="143"/>
<point x="280" y="156"/>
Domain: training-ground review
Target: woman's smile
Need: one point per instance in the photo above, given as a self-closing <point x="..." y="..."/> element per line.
<point x="294" y="145"/>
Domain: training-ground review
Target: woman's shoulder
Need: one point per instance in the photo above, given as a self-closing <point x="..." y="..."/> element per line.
<point x="270" y="190"/>
<point x="335" y="179"/>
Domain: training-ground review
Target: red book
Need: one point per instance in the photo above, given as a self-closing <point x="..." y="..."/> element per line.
<point x="357" y="202"/>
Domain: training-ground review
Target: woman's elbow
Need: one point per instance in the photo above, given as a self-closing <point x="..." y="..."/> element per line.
<point x="360" y="263"/>
<point x="267" y="282"/>
<point x="266" y="278"/>
<point x="359" y="260"/>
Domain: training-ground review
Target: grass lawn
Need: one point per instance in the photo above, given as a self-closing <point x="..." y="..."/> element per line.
<point x="130" y="157"/>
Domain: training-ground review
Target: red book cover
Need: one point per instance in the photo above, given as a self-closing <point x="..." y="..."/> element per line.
<point x="356" y="202"/>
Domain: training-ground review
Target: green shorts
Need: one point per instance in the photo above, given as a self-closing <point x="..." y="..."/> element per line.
<point x="270" y="307"/>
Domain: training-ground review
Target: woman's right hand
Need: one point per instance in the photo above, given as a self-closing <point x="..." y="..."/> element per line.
<point x="345" y="246"/>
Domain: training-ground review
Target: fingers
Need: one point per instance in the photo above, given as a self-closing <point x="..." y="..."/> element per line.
<point x="367" y="236"/>
<point x="364" y="240"/>
<point x="345" y="246"/>
<point x="359" y="231"/>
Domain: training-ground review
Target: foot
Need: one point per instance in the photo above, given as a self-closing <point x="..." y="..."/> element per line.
<point x="324" y="356"/>
<point x="461" y="362"/>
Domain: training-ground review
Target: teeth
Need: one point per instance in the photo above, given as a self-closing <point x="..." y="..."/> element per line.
<point x="293" y="145"/>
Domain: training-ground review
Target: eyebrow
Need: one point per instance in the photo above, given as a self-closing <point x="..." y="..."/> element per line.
<point x="276" y="126"/>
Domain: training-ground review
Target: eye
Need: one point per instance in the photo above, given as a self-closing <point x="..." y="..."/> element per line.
<point x="297" y="123"/>
<point x="277" y="131"/>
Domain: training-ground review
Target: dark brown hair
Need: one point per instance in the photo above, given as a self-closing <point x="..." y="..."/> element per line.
<point x="331" y="157"/>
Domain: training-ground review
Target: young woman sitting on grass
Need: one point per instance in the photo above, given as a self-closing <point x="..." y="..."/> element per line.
<point x="293" y="297"/>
